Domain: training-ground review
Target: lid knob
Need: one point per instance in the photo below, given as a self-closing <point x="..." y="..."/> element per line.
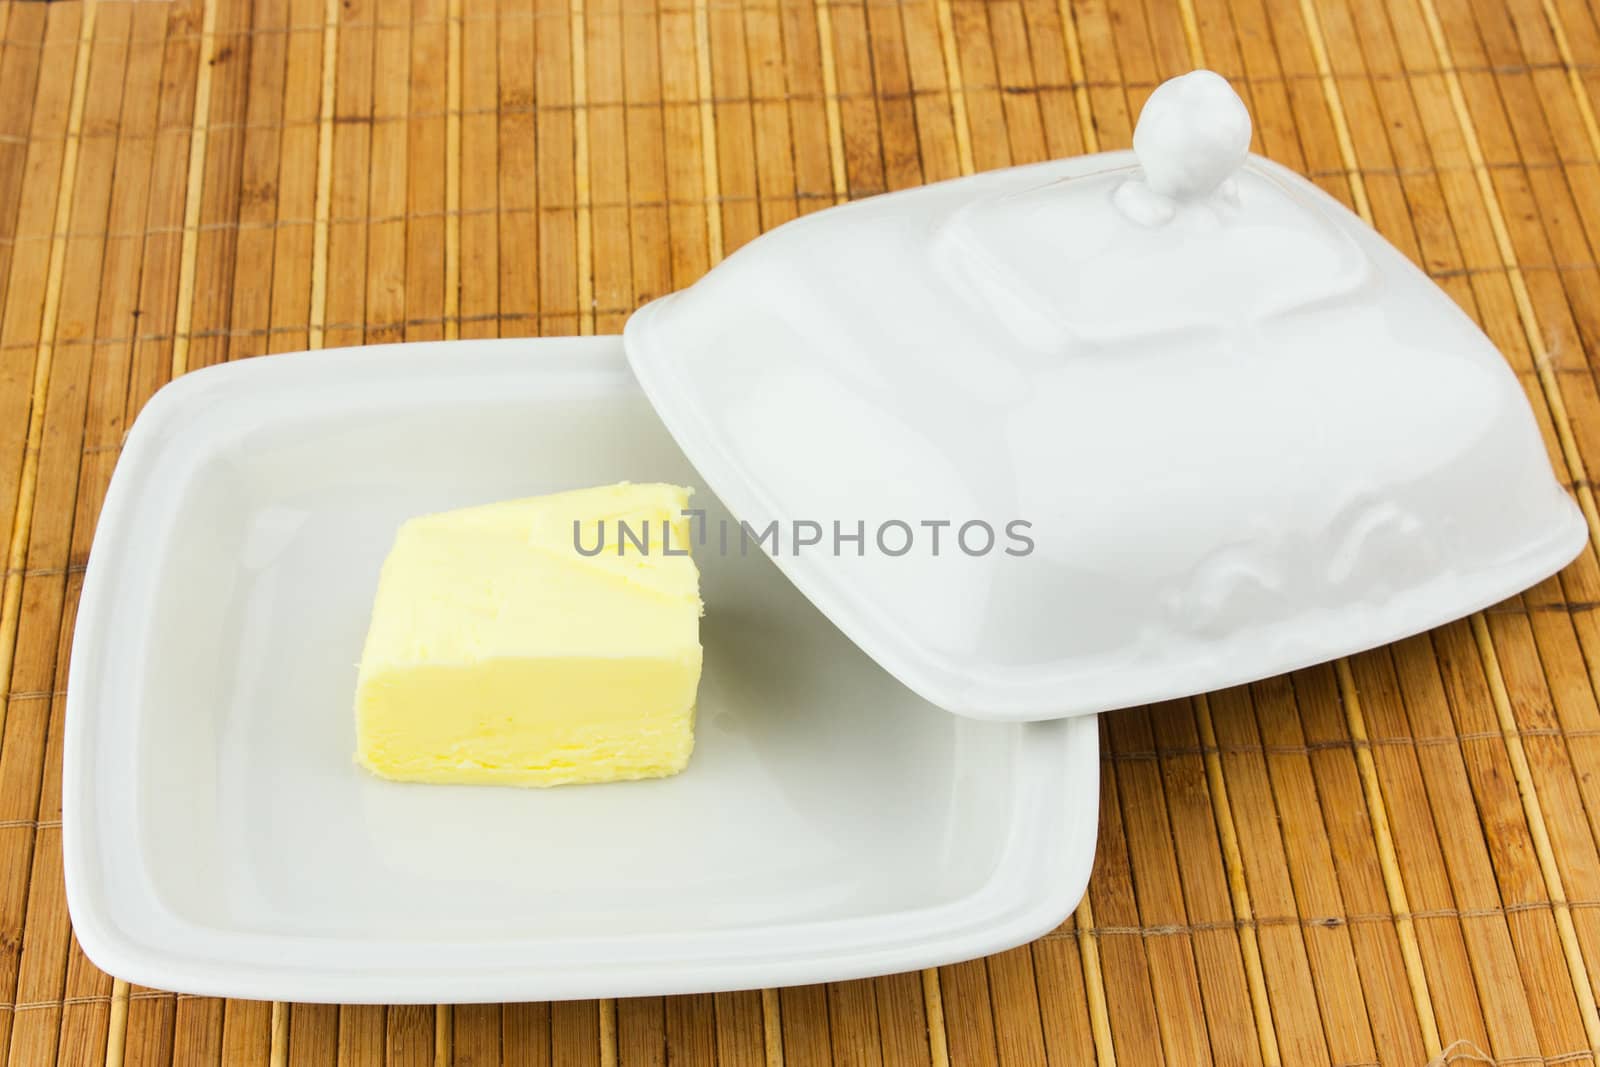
<point x="1193" y="134"/>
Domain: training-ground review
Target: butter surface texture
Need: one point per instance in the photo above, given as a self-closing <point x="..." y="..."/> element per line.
<point x="500" y="654"/>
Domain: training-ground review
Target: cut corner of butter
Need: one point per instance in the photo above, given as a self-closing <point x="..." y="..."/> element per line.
<point x="499" y="653"/>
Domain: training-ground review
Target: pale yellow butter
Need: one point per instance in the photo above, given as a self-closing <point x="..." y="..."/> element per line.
<point x="500" y="654"/>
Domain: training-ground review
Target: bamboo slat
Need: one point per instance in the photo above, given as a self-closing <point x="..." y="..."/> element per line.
<point x="1370" y="862"/>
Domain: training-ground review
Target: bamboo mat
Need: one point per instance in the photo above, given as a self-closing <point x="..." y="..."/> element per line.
<point x="1380" y="861"/>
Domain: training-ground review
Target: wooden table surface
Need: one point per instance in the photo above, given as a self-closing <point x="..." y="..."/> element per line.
<point x="1383" y="860"/>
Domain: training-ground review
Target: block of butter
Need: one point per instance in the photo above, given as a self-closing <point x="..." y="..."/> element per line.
<point x="510" y="646"/>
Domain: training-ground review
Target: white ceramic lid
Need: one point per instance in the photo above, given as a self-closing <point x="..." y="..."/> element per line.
<point x="1243" y="432"/>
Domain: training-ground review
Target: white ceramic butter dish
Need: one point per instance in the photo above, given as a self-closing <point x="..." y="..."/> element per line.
<point x="1214" y="426"/>
<point x="220" y="839"/>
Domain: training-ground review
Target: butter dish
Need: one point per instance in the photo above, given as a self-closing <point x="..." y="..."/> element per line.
<point x="1021" y="447"/>
<point x="219" y="839"/>
<point x="1247" y="434"/>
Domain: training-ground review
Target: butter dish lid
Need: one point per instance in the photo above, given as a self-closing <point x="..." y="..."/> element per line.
<point x="1100" y="431"/>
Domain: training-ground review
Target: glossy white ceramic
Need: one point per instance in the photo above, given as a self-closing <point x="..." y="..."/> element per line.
<point x="220" y="840"/>
<point x="1248" y="434"/>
